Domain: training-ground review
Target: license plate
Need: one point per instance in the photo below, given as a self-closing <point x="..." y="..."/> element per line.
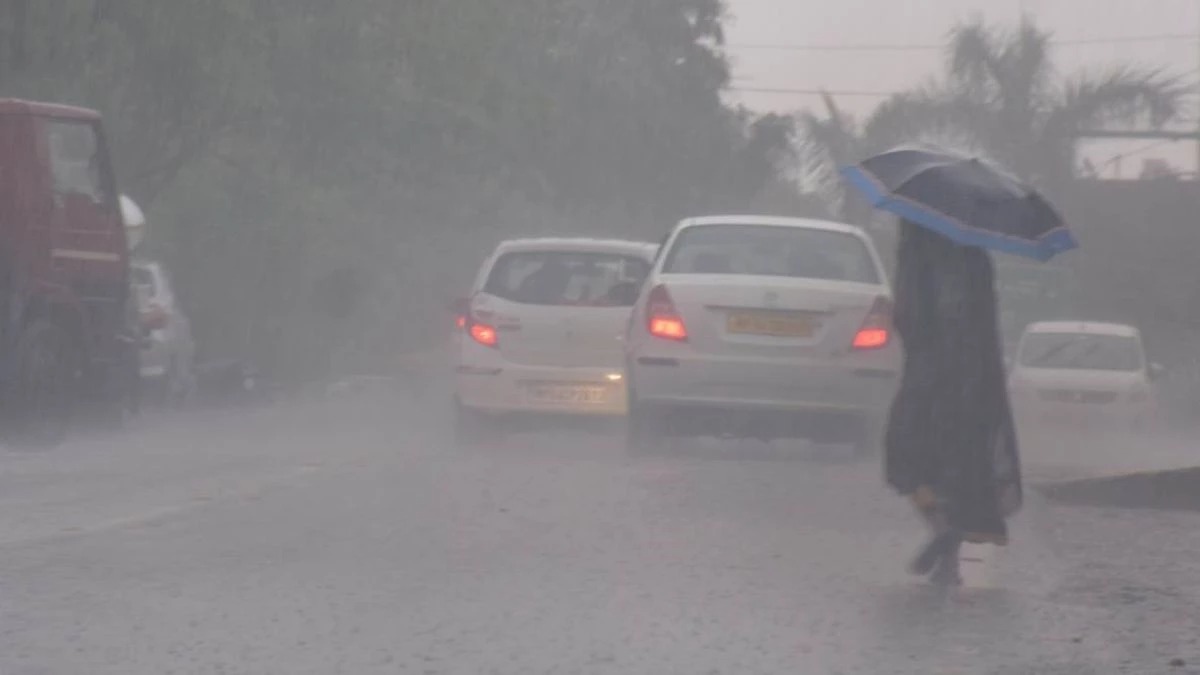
<point x="774" y="324"/>
<point x="566" y="393"/>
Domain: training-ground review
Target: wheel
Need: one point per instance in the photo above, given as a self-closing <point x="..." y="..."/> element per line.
<point x="643" y="431"/>
<point x="471" y="427"/>
<point x="41" y="398"/>
<point x="868" y="442"/>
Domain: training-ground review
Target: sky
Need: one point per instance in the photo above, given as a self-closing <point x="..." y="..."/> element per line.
<point x="1092" y="35"/>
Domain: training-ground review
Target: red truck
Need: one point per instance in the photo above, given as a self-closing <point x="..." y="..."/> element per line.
<point x="68" y="328"/>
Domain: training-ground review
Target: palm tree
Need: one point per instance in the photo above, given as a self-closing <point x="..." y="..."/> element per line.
<point x="836" y="140"/>
<point x="999" y="97"/>
<point x="1000" y="88"/>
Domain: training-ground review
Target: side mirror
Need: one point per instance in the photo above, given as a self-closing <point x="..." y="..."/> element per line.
<point x="1156" y="371"/>
<point x="134" y="220"/>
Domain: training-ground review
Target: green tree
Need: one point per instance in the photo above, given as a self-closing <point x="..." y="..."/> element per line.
<point x="279" y="142"/>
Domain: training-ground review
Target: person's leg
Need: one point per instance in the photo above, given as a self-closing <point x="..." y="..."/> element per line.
<point x="946" y="572"/>
<point x="943" y="536"/>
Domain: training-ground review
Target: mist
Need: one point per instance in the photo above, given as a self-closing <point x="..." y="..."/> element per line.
<point x="372" y="461"/>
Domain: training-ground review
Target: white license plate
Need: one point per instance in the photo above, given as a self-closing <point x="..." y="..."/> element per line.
<point x="566" y="393"/>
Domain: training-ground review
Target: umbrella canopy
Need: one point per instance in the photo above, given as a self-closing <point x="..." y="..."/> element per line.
<point x="966" y="199"/>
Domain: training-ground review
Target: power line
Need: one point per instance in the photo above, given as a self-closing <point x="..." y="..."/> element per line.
<point x="1126" y="39"/>
<point x="811" y="92"/>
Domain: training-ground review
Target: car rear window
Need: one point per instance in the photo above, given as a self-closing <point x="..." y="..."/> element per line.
<point x="763" y="250"/>
<point x="572" y="278"/>
<point x="1081" y="351"/>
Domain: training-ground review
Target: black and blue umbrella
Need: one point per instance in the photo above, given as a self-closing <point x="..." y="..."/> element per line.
<point x="966" y="199"/>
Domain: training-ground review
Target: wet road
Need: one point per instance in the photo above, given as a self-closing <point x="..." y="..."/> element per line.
<point x="318" y="541"/>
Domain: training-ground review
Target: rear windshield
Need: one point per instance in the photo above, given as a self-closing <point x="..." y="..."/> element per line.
<point x="1081" y="351"/>
<point x="762" y="250"/>
<point x="567" y="278"/>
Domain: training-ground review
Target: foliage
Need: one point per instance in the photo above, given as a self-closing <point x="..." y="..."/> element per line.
<point x="279" y="142"/>
<point x="1000" y="96"/>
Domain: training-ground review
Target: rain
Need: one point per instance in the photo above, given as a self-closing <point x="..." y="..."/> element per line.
<point x="587" y="336"/>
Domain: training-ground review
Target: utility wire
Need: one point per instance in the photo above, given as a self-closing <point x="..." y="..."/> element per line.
<point x="1127" y="39"/>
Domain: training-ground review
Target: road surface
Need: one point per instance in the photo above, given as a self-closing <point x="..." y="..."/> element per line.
<point x="328" y="540"/>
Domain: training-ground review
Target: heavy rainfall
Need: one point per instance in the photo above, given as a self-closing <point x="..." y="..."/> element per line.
<point x="709" y="337"/>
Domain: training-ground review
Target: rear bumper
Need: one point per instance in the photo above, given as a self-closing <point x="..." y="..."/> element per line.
<point x="1122" y="415"/>
<point x="745" y="384"/>
<point x="514" y="389"/>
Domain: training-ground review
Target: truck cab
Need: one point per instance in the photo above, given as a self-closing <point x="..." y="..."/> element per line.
<point x="64" y="272"/>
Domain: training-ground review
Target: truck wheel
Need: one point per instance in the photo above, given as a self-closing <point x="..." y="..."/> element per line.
<point x="41" y="399"/>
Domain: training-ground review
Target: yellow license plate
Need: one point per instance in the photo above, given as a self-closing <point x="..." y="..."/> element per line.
<point x="563" y="393"/>
<point x="775" y="324"/>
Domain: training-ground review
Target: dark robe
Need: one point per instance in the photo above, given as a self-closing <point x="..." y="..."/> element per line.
<point x="950" y="432"/>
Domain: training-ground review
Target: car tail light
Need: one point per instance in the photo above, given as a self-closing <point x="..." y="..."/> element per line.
<point x="482" y="333"/>
<point x="876" y="329"/>
<point x="478" y="327"/>
<point x="662" y="319"/>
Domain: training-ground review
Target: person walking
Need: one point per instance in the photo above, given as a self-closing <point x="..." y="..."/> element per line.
<point x="950" y="443"/>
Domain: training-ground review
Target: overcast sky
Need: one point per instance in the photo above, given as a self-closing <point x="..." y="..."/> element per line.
<point x="864" y="73"/>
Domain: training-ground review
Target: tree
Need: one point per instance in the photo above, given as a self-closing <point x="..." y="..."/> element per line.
<point x="275" y="142"/>
<point x="999" y="96"/>
<point x="837" y="139"/>
<point x="1000" y="88"/>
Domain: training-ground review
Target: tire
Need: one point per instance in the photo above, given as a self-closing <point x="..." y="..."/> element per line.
<point x="471" y="427"/>
<point x="42" y="397"/>
<point x="643" y="431"/>
<point x="868" y="443"/>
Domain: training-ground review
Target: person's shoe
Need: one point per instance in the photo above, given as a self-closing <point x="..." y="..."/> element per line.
<point x="946" y="573"/>
<point x="929" y="556"/>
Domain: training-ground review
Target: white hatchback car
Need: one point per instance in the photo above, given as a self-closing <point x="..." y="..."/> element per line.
<point x="753" y="326"/>
<point x="1084" y="373"/>
<point x="542" y="331"/>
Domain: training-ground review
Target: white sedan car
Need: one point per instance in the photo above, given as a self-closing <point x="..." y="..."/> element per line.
<point x="542" y="331"/>
<point x="1083" y="373"/>
<point x="753" y="326"/>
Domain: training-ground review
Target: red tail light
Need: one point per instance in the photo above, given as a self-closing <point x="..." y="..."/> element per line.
<point x="662" y="319"/>
<point x="482" y="333"/>
<point x="876" y="330"/>
<point x="476" y="326"/>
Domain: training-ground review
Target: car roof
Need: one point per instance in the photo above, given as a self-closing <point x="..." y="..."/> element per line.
<point x="775" y="221"/>
<point x="1083" y="327"/>
<point x="582" y="244"/>
<point x="13" y="106"/>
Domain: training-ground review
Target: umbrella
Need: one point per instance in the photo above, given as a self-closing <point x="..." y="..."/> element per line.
<point x="966" y="199"/>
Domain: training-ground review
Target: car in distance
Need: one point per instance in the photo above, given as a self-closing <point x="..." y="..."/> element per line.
<point x="1083" y="373"/>
<point x="543" y="328"/>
